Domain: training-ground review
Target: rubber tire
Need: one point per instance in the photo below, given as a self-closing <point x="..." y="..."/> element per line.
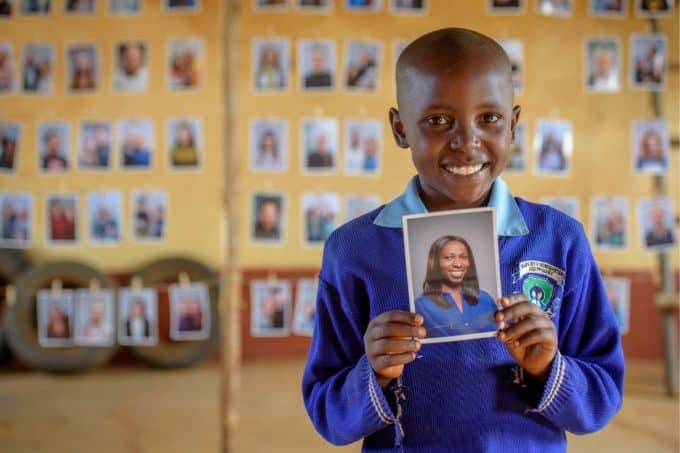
<point x="12" y="263"/>
<point x="180" y="354"/>
<point x="20" y="319"/>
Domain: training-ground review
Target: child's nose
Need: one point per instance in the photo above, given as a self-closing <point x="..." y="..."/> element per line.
<point x="464" y="139"/>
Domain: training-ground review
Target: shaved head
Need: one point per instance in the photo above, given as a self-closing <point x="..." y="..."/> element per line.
<point x="446" y="50"/>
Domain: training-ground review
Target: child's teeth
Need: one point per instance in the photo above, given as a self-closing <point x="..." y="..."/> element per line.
<point x="468" y="170"/>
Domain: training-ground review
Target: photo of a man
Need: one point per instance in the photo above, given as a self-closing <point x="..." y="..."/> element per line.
<point x="267" y="220"/>
<point x="317" y="64"/>
<point x="138" y="323"/>
<point x="189" y="312"/>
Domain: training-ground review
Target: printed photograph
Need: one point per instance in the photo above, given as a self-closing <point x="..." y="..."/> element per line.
<point x="38" y="68"/>
<point x="408" y="6"/>
<point x="654" y="8"/>
<point x="131" y="67"/>
<point x="358" y="205"/>
<point x="270" y="307"/>
<point x="651" y="146"/>
<point x="609" y="223"/>
<point x="82" y="72"/>
<point x="184" y="137"/>
<point x="9" y="146"/>
<point x="553" y="147"/>
<point x="518" y="150"/>
<point x="189" y="312"/>
<point x="314" y="6"/>
<point x="603" y="65"/>
<point x="95" y="318"/>
<point x="55" y="318"/>
<point x="555" y="8"/>
<point x="137" y="317"/>
<point x="35" y="7"/>
<point x="363" y="5"/>
<point x="648" y="61"/>
<point x="181" y="6"/>
<point x="317" y="64"/>
<point x="305" y="307"/>
<point x="268" y="219"/>
<point x="54" y="143"/>
<point x="271" y="64"/>
<point x="453" y="272"/>
<point x="568" y="205"/>
<point x="124" y="7"/>
<point x="185" y="62"/>
<point x="268" y="145"/>
<point x="62" y="219"/>
<point x="135" y="138"/>
<point x="79" y="7"/>
<point x="17" y="220"/>
<point x="515" y="50"/>
<point x="105" y="217"/>
<point x="607" y="8"/>
<point x="362" y="65"/>
<point x="656" y="218"/>
<point x="618" y="292"/>
<point x="6" y="9"/>
<point x="7" y="68"/>
<point x="319" y="145"/>
<point x="149" y="215"/>
<point x="321" y="214"/>
<point x="363" y="147"/>
<point x="270" y="5"/>
<point x="94" y="149"/>
<point x="506" y="6"/>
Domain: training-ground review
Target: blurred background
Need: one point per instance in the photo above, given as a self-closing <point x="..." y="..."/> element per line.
<point x="169" y="170"/>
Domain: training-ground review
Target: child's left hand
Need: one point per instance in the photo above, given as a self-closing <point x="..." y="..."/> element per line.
<point x="531" y="339"/>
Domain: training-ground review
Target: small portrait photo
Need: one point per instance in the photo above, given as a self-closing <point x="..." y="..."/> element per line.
<point x="319" y="145"/>
<point x="453" y="272"/>
<point x="506" y="6"/>
<point x="607" y="8"/>
<point x="363" y="5"/>
<point x="17" y="220"/>
<point x="321" y="213"/>
<point x="515" y="50"/>
<point x="135" y="138"/>
<point x="37" y="7"/>
<point x="362" y="65"/>
<point x="82" y="72"/>
<point x="314" y="6"/>
<point x="54" y="144"/>
<point x="553" y="146"/>
<point x="38" y="68"/>
<point x="94" y="148"/>
<point x="358" y="205"/>
<point x="79" y="7"/>
<point x="105" y="217"/>
<point x="9" y="146"/>
<point x="271" y="64"/>
<point x="189" y="312"/>
<point x="408" y="6"/>
<point x="555" y="8"/>
<point x="55" y="318"/>
<point x="181" y="6"/>
<point x="654" y="8"/>
<point x="603" y="65"/>
<point x="267" y="218"/>
<point x="305" y="307"/>
<point x="618" y="293"/>
<point x="7" y="75"/>
<point x="648" y="61"/>
<point x="316" y="60"/>
<point x="518" y="150"/>
<point x="268" y="145"/>
<point x="568" y="205"/>
<point x="61" y="212"/>
<point x="124" y="7"/>
<point x="270" y="307"/>
<point x="651" y="146"/>
<point x="6" y="9"/>
<point x="131" y="67"/>
<point x="363" y="147"/>
<point x="137" y="316"/>
<point x="185" y="63"/>
<point x="184" y="137"/>
<point x="149" y="215"/>
<point x="609" y="223"/>
<point x="95" y="318"/>
<point x="270" y="5"/>
<point x="657" y="223"/>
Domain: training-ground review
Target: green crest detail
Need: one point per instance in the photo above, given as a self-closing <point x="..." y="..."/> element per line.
<point x="538" y="291"/>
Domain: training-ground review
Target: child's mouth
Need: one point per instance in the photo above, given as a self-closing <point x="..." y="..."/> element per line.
<point x="465" y="170"/>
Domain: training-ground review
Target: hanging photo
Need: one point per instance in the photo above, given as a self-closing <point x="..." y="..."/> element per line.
<point x="270" y="5"/>
<point x="408" y="6"/>
<point x="149" y="215"/>
<point x="124" y="7"/>
<point x="9" y="146"/>
<point x="568" y="205"/>
<point x="189" y="312"/>
<point x="94" y="149"/>
<point x="609" y="223"/>
<point x="105" y="217"/>
<point x="657" y="224"/>
<point x="316" y="65"/>
<point x="453" y="273"/>
<point x="62" y="219"/>
<point x="38" y="68"/>
<point x="305" y="307"/>
<point x="35" y="7"/>
<point x="185" y="63"/>
<point x="268" y="145"/>
<point x="654" y="8"/>
<point x="314" y="6"/>
<point x="270" y="308"/>
<point x="185" y="141"/>
<point x="17" y="220"/>
<point x="555" y="8"/>
<point x="320" y="214"/>
<point x="82" y="72"/>
<point x="553" y="147"/>
<point x="506" y="6"/>
<point x="135" y="138"/>
<point x="603" y="65"/>
<point x="138" y="317"/>
<point x="515" y="50"/>
<point x="79" y="7"/>
<point x="7" y="69"/>
<point x="54" y="144"/>
<point x="618" y="292"/>
<point x="267" y="218"/>
<point x="95" y="318"/>
<point x="363" y="5"/>
<point x="651" y="146"/>
<point x="319" y="145"/>
<point x="131" y="67"/>
<point x="607" y="8"/>
<point x="181" y="6"/>
<point x="271" y="64"/>
<point x="362" y="65"/>
<point x="55" y="318"/>
<point x="648" y="61"/>
<point x="6" y="9"/>
<point x="518" y="150"/>
<point x="363" y="147"/>
<point x="358" y="205"/>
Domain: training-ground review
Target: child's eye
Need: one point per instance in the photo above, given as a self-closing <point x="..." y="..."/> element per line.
<point x="438" y="120"/>
<point x="491" y="118"/>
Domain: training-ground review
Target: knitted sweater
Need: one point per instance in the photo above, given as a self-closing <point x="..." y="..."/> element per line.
<point x="467" y="396"/>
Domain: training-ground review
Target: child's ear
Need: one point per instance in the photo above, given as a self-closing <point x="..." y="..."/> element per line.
<point x="398" y="128"/>
<point x="515" y="119"/>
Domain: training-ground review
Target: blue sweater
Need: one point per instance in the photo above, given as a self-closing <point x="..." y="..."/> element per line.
<point x="467" y="396"/>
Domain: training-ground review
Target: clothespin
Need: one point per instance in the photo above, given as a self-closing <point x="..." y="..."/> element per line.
<point x="136" y="284"/>
<point x="94" y="285"/>
<point x="271" y="279"/>
<point x="56" y="287"/>
<point x="10" y="295"/>
<point x="183" y="279"/>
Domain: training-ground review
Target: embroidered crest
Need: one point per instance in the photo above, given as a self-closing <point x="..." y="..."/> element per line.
<point x="540" y="281"/>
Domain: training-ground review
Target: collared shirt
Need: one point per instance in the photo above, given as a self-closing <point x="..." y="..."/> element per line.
<point x="509" y="219"/>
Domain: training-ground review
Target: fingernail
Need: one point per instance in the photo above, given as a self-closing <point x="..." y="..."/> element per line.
<point x="501" y="325"/>
<point x="500" y="316"/>
<point x="502" y="335"/>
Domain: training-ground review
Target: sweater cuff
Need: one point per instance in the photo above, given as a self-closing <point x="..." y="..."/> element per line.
<point x="554" y="390"/>
<point x="380" y="405"/>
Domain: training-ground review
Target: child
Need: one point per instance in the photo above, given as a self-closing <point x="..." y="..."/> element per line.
<point x="558" y="368"/>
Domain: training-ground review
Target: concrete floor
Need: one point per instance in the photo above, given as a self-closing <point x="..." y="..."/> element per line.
<point x="131" y="409"/>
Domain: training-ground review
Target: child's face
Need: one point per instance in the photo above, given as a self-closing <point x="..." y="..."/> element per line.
<point x="458" y="121"/>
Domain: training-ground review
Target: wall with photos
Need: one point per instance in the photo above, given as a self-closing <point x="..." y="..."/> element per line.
<point x="117" y="116"/>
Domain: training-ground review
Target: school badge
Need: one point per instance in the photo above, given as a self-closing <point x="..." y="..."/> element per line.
<point x="540" y="281"/>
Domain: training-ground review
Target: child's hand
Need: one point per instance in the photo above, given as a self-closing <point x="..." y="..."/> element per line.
<point x="390" y="341"/>
<point x="531" y="339"/>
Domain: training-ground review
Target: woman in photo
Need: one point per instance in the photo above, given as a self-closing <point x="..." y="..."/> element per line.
<point x="451" y="302"/>
<point x="83" y="76"/>
<point x="184" y="153"/>
<point x="58" y="325"/>
<point x="270" y="74"/>
<point x="651" y="156"/>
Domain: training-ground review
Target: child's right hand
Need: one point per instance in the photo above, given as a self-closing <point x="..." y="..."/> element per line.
<point x="391" y="341"/>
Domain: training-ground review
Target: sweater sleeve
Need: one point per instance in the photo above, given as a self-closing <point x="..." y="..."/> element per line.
<point x="339" y="386"/>
<point x="584" y="389"/>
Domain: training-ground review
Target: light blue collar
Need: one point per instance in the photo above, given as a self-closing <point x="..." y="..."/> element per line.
<point x="509" y="219"/>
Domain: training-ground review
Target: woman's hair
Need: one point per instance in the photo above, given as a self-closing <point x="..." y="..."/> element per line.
<point x="434" y="278"/>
